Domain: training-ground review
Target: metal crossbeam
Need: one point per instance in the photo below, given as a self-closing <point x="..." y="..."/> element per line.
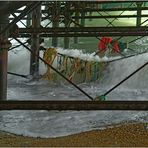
<point x="73" y="105"/>
<point x="106" y="9"/>
<point x="94" y="17"/>
<point x="87" y="34"/>
<point x="96" y="9"/>
<point x="85" y="31"/>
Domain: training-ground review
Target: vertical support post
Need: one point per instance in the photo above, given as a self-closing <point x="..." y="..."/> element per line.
<point x="28" y="21"/>
<point x="83" y="15"/>
<point x="90" y="6"/>
<point x="67" y="24"/>
<point x="55" y="21"/>
<point x="138" y="22"/>
<point x="76" y="39"/>
<point x="122" y="5"/>
<point x="90" y="14"/>
<point x="3" y="56"/>
<point x="34" y="60"/>
<point x="77" y="21"/>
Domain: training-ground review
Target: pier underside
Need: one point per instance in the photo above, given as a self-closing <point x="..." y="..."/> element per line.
<point x="67" y="19"/>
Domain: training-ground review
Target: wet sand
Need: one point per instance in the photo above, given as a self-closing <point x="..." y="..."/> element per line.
<point x="133" y="135"/>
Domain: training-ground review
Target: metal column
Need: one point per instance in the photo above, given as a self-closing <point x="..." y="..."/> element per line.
<point x="34" y="61"/>
<point x="55" y="21"/>
<point x="3" y="56"/>
<point x="139" y="5"/>
<point x="76" y="40"/>
<point x="28" y="21"/>
<point x="67" y="24"/>
<point x="83" y="15"/>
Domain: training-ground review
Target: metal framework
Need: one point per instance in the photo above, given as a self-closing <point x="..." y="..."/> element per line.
<point x="71" y="14"/>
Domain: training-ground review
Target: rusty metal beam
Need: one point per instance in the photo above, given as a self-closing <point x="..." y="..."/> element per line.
<point x="87" y="34"/>
<point x="107" y="16"/>
<point x="83" y="29"/>
<point x="94" y="17"/>
<point x="96" y="9"/>
<point x="74" y="105"/>
<point x="4" y="46"/>
<point x="34" y="60"/>
<point x="106" y="9"/>
<point x="3" y="73"/>
<point x="139" y="13"/>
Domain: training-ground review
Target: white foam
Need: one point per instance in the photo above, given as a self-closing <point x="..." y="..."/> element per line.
<point x="77" y="53"/>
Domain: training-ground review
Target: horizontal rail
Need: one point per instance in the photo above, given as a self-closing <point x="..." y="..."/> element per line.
<point x="87" y="34"/>
<point x="92" y="17"/>
<point x="96" y="9"/>
<point x="83" y="29"/>
<point x="105" y="9"/>
<point x="73" y="105"/>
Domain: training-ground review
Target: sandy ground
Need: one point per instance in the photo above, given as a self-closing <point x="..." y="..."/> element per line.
<point x="133" y="135"/>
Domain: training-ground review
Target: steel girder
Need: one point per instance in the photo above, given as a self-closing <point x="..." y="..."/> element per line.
<point x="85" y="31"/>
<point x="73" y="105"/>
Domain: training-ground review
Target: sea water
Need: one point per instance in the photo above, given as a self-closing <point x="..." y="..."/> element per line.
<point x="60" y="123"/>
